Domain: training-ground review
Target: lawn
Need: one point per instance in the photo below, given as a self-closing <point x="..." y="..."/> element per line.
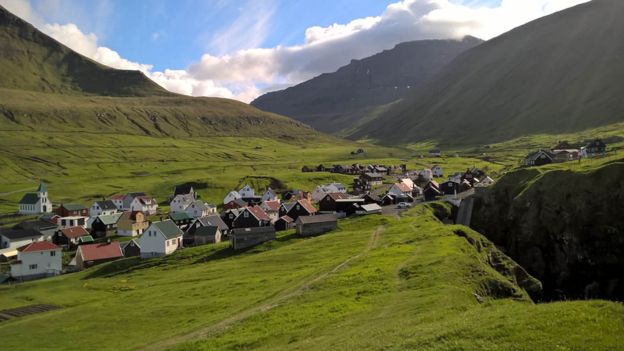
<point x="389" y="283"/>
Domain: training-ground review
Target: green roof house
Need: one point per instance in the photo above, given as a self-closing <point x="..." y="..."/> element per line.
<point x="160" y="239"/>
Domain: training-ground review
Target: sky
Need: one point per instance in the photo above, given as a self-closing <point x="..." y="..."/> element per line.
<point x="241" y="49"/>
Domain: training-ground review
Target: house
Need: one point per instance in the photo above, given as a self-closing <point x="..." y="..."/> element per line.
<point x="37" y="260"/>
<point x="269" y="195"/>
<point x="252" y="216"/>
<point x="229" y="215"/>
<point x="320" y="191"/>
<point x="180" y="202"/>
<point x="37" y="202"/>
<point x="118" y="201"/>
<point x="372" y="179"/>
<point x="132" y="223"/>
<point x="69" y="237"/>
<point x="271" y="208"/>
<point x="105" y="225"/>
<point x="298" y="208"/>
<point x="313" y="225"/>
<point x="145" y="204"/>
<point x="129" y="198"/>
<point x="93" y="254"/>
<point x="181" y="219"/>
<point x="242" y="238"/>
<point x="425" y="175"/>
<point x="371" y="198"/>
<point x="16" y="237"/>
<point x="284" y="223"/>
<point x="566" y="155"/>
<point x="369" y="209"/>
<point x="466" y="185"/>
<point x="247" y="192"/>
<point x="538" y="158"/>
<point x="72" y="221"/>
<point x="435" y="153"/>
<point x="160" y="239"/>
<point x="456" y="177"/>
<point x="203" y="235"/>
<point x="231" y="196"/>
<point x="208" y="221"/>
<point x="104" y="207"/>
<point x="8" y="254"/>
<point x="450" y="188"/>
<point x="437" y="171"/>
<point x="45" y="228"/>
<point x="328" y="202"/>
<point x="296" y="195"/>
<point x="431" y="191"/>
<point x="184" y="189"/>
<point x="237" y="203"/>
<point x="400" y="189"/>
<point x="72" y="210"/>
<point x="594" y="148"/>
<point x="130" y="248"/>
<point x="199" y="208"/>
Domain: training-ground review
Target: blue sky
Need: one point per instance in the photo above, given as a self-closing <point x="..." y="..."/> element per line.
<point x="243" y="48"/>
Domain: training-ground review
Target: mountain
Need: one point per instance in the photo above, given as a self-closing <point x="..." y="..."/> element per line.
<point x="337" y="101"/>
<point x="560" y="73"/>
<point x="46" y="86"/>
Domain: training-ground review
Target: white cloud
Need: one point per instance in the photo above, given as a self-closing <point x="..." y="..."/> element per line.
<point x="242" y="71"/>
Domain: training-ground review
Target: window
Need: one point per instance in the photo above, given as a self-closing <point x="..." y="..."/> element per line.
<point x="52" y="253"/>
<point x="246" y="214"/>
<point x="63" y="222"/>
<point x="167" y="242"/>
<point x="32" y="266"/>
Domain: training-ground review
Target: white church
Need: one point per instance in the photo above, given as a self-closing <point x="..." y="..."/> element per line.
<point x="36" y="203"/>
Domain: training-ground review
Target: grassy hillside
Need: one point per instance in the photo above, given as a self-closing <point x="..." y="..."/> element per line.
<point x="338" y="101"/>
<point x="553" y="75"/>
<point x="391" y="283"/>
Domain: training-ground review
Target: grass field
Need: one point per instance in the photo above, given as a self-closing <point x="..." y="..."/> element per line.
<point x="376" y="283"/>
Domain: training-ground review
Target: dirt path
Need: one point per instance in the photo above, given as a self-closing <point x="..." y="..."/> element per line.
<point x="268" y="304"/>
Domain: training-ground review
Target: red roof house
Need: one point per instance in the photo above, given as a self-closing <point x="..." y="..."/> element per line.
<point x="92" y="254"/>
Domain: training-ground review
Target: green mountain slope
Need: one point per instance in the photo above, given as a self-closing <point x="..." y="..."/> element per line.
<point x="338" y="101"/>
<point x="375" y="283"/>
<point x="560" y="73"/>
<point x="45" y="86"/>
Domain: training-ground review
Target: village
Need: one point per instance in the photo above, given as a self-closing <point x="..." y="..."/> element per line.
<point x="131" y="224"/>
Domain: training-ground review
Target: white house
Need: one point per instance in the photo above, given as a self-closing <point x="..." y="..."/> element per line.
<point x="437" y="171"/>
<point x="231" y="196"/>
<point x="247" y="191"/>
<point x="72" y="221"/>
<point x="269" y="195"/>
<point x="36" y="260"/>
<point x="15" y="238"/>
<point x="400" y="189"/>
<point x="37" y="202"/>
<point x="199" y="208"/>
<point x="103" y="208"/>
<point x="145" y="204"/>
<point x="118" y="201"/>
<point x="322" y="190"/>
<point x="180" y="202"/>
<point x="160" y="239"/>
<point x="426" y="174"/>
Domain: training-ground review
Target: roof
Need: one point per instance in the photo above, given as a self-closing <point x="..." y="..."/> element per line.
<point x="106" y="205"/>
<point x="74" y="232"/>
<point x="307" y="205"/>
<point x="168" y="228"/>
<point x="257" y="212"/>
<point x="126" y="243"/>
<point x="42" y="188"/>
<point x="179" y="216"/>
<point x="373" y="197"/>
<point x="101" y="251"/>
<point x="29" y="199"/>
<point x="403" y="187"/>
<point x="146" y="200"/>
<point x="286" y="219"/>
<point x="86" y="239"/>
<point x="352" y="199"/>
<point x="254" y="230"/>
<point x="317" y="219"/>
<point x="118" y="197"/>
<point x="370" y="207"/>
<point x="534" y="155"/>
<point x="73" y="207"/>
<point x="16" y="233"/>
<point x="37" y="224"/>
<point x="182" y="189"/>
<point x="213" y="220"/>
<point x="337" y="196"/>
<point x="110" y="219"/>
<point x="38" y="246"/>
<point x="207" y="231"/>
<point x="272" y="206"/>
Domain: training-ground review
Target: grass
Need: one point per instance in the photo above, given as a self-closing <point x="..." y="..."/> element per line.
<point x="376" y="283"/>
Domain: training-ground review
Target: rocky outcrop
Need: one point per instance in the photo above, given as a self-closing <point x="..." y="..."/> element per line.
<point x="565" y="228"/>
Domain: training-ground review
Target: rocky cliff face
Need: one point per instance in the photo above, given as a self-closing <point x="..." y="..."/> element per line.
<point x="564" y="228"/>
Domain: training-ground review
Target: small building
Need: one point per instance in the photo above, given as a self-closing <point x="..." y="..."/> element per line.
<point x="199" y="208"/>
<point x="298" y="208"/>
<point x="93" y="254"/>
<point x="47" y="229"/>
<point x="371" y="198"/>
<point x="235" y="204"/>
<point x="252" y="216"/>
<point x="247" y="191"/>
<point x="37" y="202"/>
<point x="145" y="204"/>
<point x="450" y="188"/>
<point x="328" y="202"/>
<point x="37" y="260"/>
<point x="130" y="248"/>
<point x="271" y="208"/>
<point x="16" y="237"/>
<point x="284" y="223"/>
<point x="72" y="221"/>
<point x="372" y="178"/>
<point x="118" y="201"/>
<point x="181" y="219"/>
<point x="269" y="195"/>
<point x="242" y="238"/>
<point x="437" y="171"/>
<point x="538" y="158"/>
<point x="435" y="153"/>
<point x="231" y="196"/>
<point x="104" y="207"/>
<point x="566" y="155"/>
<point x="432" y="191"/>
<point x="400" y="189"/>
<point x="184" y="189"/>
<point x="72" y="210"/>
<point x="105" y="225"/>
<point x="70" y="237"/>
<point x="595" y="148"/>
<point x="208" y="221"/>
<point x="314" y="225"/>
<point x="369" y="209"/>
<point x="180" y="202"/>
<point x="132" y="223"/>
<point x="160" y="239"/>
<point x="425" y="175"/>
<point x="203" y="235"/>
